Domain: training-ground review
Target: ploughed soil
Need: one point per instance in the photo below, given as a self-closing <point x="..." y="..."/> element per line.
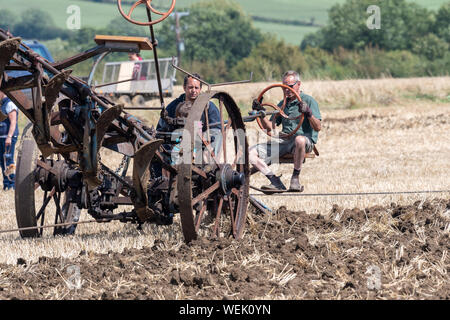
<point x="394" y="252"/>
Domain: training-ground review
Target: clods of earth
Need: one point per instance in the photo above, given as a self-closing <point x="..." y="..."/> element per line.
<point x="393" y="252"/>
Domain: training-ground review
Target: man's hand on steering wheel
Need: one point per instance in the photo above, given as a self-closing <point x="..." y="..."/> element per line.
<point x="256" y="105"/>
<point x="305" y="109"/>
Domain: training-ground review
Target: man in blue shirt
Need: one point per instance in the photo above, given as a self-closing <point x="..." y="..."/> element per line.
<point x="300" y="143"/>
<point x="192" y="88"/>
<point x="9" y="131"/>
<point x="180" y="107"/>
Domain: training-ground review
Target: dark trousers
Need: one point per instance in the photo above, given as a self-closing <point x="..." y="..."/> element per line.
<point x="7" y="158"/>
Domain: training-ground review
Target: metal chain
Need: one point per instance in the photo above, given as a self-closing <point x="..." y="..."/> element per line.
<point x="123" y="181"/>
<point x="122" y="164"/>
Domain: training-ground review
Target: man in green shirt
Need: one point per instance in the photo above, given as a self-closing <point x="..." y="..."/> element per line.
<point x="300" y="143"/>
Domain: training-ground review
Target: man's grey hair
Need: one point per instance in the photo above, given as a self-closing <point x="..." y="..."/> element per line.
<point x="291" y="73"/>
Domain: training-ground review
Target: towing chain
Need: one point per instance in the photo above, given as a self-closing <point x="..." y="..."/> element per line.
<point x="122" y="164"/>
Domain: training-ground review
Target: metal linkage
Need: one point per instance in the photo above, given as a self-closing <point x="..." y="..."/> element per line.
<point x="120" y="217"/>
<point x="49" y="226"/>
<point x="208" y="84"/>
<point x="265" y="209"/>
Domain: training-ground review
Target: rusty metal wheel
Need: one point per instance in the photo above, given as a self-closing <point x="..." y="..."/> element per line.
<point x="213" y="177"/>
<point x="31" y="201"/>
<point x="300" y="118"/>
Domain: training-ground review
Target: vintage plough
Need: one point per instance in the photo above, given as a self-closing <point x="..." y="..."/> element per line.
<point x="197" y="169"/>
<point x="59" y="159"/>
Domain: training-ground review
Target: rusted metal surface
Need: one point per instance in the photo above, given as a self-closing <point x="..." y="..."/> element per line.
<point x="54" y="86"/>
<point x="8" y="48"/>
<point x="89" y="122"/>
<point x="141" y="176"/>
<point x="60" y="155"/>
<point x="211" y="188"/>
<point x="185" y="172"/>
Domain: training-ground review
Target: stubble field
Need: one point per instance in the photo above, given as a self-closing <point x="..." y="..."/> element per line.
<point x="378" y="136"/>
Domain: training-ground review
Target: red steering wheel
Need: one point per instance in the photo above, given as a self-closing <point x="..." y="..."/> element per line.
<point x="280" y="110"/>
<point x="149" y="6"/>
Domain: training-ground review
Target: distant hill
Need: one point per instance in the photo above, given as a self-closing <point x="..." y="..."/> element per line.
<point x="97" y="14"/>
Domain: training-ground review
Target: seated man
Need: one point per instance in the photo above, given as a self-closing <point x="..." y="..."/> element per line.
<point x="180" y="107"/>
<point x="300" y="143"/>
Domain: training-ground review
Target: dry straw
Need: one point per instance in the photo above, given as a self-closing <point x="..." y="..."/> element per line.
<point x="400" y="145"/>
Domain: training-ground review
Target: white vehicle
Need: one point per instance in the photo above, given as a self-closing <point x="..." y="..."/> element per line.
<point x="145" y="85"/>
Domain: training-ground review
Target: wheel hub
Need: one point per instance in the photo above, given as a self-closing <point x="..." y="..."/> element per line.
<point x="230" y="178"/>
<point x="57" y="174"/>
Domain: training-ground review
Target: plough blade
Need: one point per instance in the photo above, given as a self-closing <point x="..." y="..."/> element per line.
<point x="51" y="92"/>
<point x="44" y="146"/>
<point x="105" y="120"/>
<point x="41" y="128"/>
<point x="52" y="89"/>
<point x="89" y="157"/>
<point x="93" y="143"/>
<point x="141" y="178"/>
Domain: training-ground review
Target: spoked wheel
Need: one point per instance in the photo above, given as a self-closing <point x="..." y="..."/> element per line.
<point x="32" y="203"/>
<point x="213" y="171"/>
<point x="150" y="8"/>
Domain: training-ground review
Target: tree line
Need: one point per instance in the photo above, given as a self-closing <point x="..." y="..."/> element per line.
<point x="222" y="44"/>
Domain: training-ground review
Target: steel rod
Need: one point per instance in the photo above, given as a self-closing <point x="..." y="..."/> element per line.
<point x="142" y="108"/>
<point x="51" y="226"/>
<point x="297" y="194"/>
<point x="111" y="83"/>
<point x="155" y="54"/>
<point x="94" y="67"/>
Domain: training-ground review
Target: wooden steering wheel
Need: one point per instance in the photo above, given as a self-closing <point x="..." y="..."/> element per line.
<point x="149" y="6"/>
<point x="280" y="110"/>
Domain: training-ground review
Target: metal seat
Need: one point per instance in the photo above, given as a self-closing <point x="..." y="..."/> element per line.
<point x="143" y="43"/>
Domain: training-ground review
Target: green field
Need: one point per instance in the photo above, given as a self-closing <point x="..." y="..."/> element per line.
<point x="291" y="34"/>
<point x="92" y="14"/>
<point x="100" y="14"/>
